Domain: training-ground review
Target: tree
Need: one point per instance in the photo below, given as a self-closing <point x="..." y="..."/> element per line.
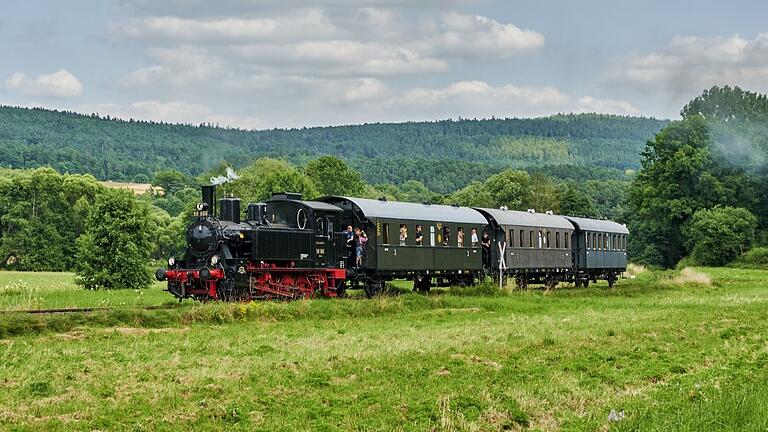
<point x="575" y="202"/>
<point x="332" y="176"/>
<point x="170" y="180"/>
<point x="41" y="214"/>
<point x="678" y="177"/>
<point x="719" y="235"/>
<point x="266" y="176"/>
<point x="114" y="250"/>
<point x="543" y="195"/>
<point x="511" y="188"/>
<point x="474" y="194"/>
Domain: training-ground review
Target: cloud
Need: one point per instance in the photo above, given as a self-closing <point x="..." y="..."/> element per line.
<point x="589" y="104"/>
<point x="689" y="64"/>
<point x="171" y="112"/>
<point x="301" y="25"/>
<point x="60" y="84"/>
<point x="178" y="67"/>
<point x="476" y="36"/>
<point x="480" y="93"/>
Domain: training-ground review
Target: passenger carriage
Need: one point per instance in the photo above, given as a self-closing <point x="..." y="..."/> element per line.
<point x="442" y="258"/>
<point x="600" y="250"/>
<point x="536" y="246"/>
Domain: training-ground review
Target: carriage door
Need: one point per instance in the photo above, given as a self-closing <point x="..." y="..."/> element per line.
<point x="321" y="240"/>
<point x="332" y="241"/>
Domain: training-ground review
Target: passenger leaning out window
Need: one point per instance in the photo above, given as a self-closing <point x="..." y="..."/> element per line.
<point x="419" y="236"/>
<point x="403" y="234"/>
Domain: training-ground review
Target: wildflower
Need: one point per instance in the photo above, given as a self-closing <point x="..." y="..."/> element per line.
<point x="616" y="416"/>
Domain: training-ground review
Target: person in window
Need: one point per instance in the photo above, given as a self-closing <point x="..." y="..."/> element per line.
<point x="460" y="237"/>
<point x="446" y="236"/>
<point x="360" y="240"/>
<point x="349" y="235"/>
<point x="419" y="235"/>
<point x="486" y="248"/>
<point x="473" y="237"/>
<point x="403" y="234"/>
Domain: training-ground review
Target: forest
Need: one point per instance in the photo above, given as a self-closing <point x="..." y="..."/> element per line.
<point x="444" y="155"/>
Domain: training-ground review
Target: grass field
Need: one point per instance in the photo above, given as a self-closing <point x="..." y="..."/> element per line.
<point x="664" y="351"/>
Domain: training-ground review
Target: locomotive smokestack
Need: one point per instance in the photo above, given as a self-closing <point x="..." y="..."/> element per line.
<point x="209" y="197"/>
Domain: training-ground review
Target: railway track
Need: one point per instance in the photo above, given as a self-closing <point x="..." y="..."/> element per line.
<point x="87" y="309"/>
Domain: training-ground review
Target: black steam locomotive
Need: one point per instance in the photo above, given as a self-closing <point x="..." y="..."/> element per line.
<point x="289" y="248"/>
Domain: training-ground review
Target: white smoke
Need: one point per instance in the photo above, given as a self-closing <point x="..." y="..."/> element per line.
<point x="231" y="176"/>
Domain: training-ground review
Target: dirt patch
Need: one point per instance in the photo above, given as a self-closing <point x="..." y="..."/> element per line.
<point x="137" y="331"/>
<point x="473" y="359"/>
<point x="691" y="276"/>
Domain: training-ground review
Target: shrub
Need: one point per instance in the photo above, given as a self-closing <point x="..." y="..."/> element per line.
<point x="717" y="236"/>
<point x="114" y="249"/>
<point x="753" y="258"/>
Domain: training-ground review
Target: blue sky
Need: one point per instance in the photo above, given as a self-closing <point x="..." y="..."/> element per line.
<point x="302" y="63"/>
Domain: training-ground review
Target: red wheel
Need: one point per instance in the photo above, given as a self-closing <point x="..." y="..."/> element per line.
<point x="305" y="287"/>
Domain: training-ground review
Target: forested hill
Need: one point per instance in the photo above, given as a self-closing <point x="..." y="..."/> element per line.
<point x="445" y="155"/>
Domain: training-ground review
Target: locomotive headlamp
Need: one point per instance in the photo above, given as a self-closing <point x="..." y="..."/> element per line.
<point x="214" y="260"/>
<point x="171" y="262"/>
<point x="200" y="206"/>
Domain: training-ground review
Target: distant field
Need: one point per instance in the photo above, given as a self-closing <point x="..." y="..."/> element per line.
<point x="43" y="290"/>
<point x="665" y="351"/>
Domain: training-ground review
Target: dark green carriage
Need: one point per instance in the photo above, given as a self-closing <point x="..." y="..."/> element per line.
<point x="600" y="249"/>
<point x="445" y="255"/>
<point x="537" y="246"/>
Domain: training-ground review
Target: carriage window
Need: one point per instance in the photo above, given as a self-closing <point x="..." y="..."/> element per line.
<point x="600" y="241"/>
<point x="432" y="235"/>
<point x="522" y="235"/>
<point x="605" y="241"/>
<point x="589" y="241"/>
<point x="511" y="241"/>
<point x="385" y="234"/>
<point x="530" y="238"/>
<point x="565" y="238"/>
<point x="460" y="237"/>
<point x="541" y="240"/>
<point x="557" y="240"/>
<point x="319" y="225"/>
<point x="446" y="235"/>
<point x="546" y="241"/>
<point x="624" y="242"/>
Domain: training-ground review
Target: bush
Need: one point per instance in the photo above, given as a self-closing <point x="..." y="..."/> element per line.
<point x="717" y="236"/>
<point x="756" y="258"/>
<point x="114" y="249"/>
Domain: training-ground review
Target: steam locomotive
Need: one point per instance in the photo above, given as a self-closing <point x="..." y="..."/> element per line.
<point x="290" y="248"/>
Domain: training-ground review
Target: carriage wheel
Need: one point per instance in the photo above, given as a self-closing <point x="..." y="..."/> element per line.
<point x="611" y="280"/>
<point x="373" y="288"/>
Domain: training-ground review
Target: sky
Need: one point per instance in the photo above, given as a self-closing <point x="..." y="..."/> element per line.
<point x="295" y="63"/>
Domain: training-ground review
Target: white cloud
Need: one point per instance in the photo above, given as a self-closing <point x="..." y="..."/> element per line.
<point x="59" y="84"/>
<point x="476" y="36"/>
<point x="179" y="67"/>
<point x="589" y="104"/>
<point x="480" y="93"/>
<point x="311" y="23"/>
<point x="365" y="89"/>
<point x="171" y="112"/>
<point x="691" y="64"/>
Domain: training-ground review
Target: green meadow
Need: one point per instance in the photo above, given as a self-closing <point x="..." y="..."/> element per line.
<point x="663" y="351"/>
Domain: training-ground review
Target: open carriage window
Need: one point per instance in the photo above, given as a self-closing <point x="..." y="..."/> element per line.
<point x="385" y="234"/>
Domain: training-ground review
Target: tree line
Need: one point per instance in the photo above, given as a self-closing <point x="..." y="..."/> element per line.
<point x="444" y="155"/>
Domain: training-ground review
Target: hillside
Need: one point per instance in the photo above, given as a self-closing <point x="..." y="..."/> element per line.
<point x="445" y="155"/>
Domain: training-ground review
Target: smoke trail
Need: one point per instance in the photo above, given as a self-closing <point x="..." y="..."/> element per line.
<point x="231" y="176"/>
